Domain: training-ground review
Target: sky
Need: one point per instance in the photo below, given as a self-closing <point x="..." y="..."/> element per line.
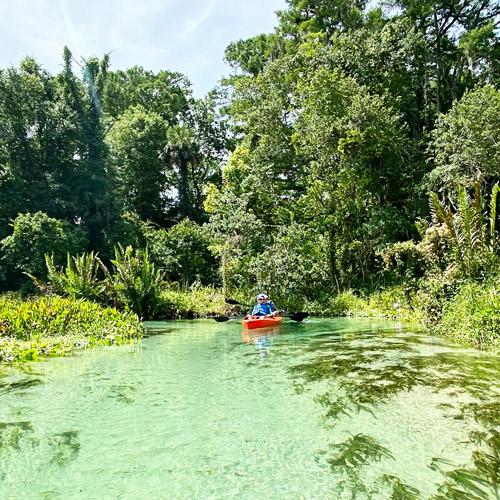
<point x="188" y="36"/>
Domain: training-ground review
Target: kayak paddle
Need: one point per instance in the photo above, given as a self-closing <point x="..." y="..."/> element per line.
<point x="294" y="317"/>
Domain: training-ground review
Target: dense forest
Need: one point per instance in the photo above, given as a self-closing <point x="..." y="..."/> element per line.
<point x="349" y="162"/>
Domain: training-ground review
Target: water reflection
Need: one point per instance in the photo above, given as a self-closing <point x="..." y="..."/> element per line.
<point x="262" y="338"/>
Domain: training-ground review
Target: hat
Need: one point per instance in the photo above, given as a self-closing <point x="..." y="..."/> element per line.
<point x="261" y="296"/>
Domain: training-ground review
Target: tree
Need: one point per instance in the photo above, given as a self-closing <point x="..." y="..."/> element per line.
<point x="136" y="142"/>
<point x="252" y="54"/>
<point x="454" y="30"/>
<point x="465" y="146"/>
<point x="165" y="93"/>
<point x="37" y="146"/>
<point x="34" y="236"/>
<point x="97" y="192"/>
<point x="321" y="16"/>
<point x="193" y="153"/>
<point x="185" y="256"/>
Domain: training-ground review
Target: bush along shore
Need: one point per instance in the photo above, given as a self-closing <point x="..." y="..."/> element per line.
<point x="54" y="326"/>
<point x="468" y="312"/>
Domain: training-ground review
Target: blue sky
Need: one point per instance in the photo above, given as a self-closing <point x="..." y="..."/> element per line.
<point x="187" y="36"/>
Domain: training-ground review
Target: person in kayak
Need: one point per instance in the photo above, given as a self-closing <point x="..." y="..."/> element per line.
<point x="263" y="308"/>
<point x="274" y="309"/>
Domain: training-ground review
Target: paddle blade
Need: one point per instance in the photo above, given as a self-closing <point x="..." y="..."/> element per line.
<point x="220" y="319"/>
<point x="299" y="316"/>
<point x="234" y="302"/>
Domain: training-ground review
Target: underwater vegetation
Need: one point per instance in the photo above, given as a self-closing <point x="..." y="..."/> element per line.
<point x="365" y="373"/>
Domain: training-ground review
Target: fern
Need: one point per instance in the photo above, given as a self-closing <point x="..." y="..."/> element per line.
<point x="473" y="234"/>
<point x="85" y="277"/>
<point x="136" y="281"/>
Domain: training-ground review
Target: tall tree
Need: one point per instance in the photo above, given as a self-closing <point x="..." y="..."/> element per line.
<point x="37" y="145"/>
<point x="165" y="93"/>
<point x="448" y="26"/>
<point x="136" y="141"/>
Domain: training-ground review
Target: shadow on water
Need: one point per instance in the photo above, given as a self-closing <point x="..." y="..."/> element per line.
<point x="18" y="439"/>
<point x="367" y="370"/>
<point x="19" y="385"/>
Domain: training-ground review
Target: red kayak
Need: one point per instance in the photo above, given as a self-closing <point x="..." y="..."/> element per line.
<point x="253" y="322"/>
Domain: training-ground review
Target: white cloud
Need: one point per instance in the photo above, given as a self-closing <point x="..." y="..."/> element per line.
<point x="193" y="23"/>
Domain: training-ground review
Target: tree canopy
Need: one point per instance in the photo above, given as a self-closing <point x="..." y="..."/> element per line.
<point x="295" y="175"/>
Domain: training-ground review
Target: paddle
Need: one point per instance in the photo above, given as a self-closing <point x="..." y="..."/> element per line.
<point x="236" y="303"/>
<point x="294" y="317"/>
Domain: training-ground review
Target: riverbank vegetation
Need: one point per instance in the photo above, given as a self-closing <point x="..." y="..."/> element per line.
<point x="54" y="326"/>
<point x="348" y="166"/>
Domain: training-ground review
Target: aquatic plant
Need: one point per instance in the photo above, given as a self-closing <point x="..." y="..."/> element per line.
<point x="365" y="375"/>
<point x="55" y="326"/>
<point x="355" y="452"/>
<point x="401" y="491"/>
<point x="478" y="481"/>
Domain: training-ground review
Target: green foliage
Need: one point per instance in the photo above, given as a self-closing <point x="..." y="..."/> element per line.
<point x="473" y="236"/>
<point x="136" y="140"/>
<point x="54" y="326"/>
<point x="465" y="145"/>
<point x="473" y="315"/>
<point x="346" y="303"/>
<point x="323" y="16"/>
<point x="35" y="235"/>
<point x="191" y="302"/>
<point x="165" y="93"/>
<point x="347" y="149"/>
<point x="182" y="156"/>
<point x="85" y="277"/>
<point x="185" y="256"/>
<point x="293" y="270"/>
<point x="136" y="281"/>
<point x="38" y="171"/>
<point x="336" y="118"/>
<point x="252" y="54"/>
<point x="181" y="251"/>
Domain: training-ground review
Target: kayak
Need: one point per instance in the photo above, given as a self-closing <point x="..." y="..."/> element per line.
<point x="253" y="322"/>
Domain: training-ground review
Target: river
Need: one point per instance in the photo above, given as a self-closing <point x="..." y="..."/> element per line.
<point x="323" y="409"/>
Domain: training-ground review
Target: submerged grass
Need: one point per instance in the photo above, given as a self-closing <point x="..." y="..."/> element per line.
<point x="54" y="326"/>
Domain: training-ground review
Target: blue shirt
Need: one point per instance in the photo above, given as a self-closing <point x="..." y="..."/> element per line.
<point x="262" y="309"/>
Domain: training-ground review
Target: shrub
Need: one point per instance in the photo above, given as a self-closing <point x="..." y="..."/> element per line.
<point x="136" y="281"/>
<point x="85" y="277"/>
<point x="346" y="304"/>
<point x="35" y="235"/>
<point x="473" y="315"/>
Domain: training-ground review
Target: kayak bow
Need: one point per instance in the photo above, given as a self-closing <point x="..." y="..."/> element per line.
<point x="253" y="322"/>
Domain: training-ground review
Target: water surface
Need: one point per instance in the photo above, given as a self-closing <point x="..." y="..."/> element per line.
<point x="325" y="409"/>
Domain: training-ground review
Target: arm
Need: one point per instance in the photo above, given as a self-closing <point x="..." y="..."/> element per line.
<point x="274" y="309"/>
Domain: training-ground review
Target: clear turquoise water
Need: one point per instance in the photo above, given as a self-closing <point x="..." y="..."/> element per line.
<point x="325" y="409"/>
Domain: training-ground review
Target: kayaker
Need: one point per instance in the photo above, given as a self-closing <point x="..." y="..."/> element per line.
<point x="274" y="309"/>
<point x="263" y="308"/>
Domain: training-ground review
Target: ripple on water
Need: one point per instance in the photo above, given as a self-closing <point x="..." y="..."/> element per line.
<point x="331" y="409"/>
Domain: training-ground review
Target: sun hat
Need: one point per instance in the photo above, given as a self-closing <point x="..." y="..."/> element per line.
<point x="261" y="296"/>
